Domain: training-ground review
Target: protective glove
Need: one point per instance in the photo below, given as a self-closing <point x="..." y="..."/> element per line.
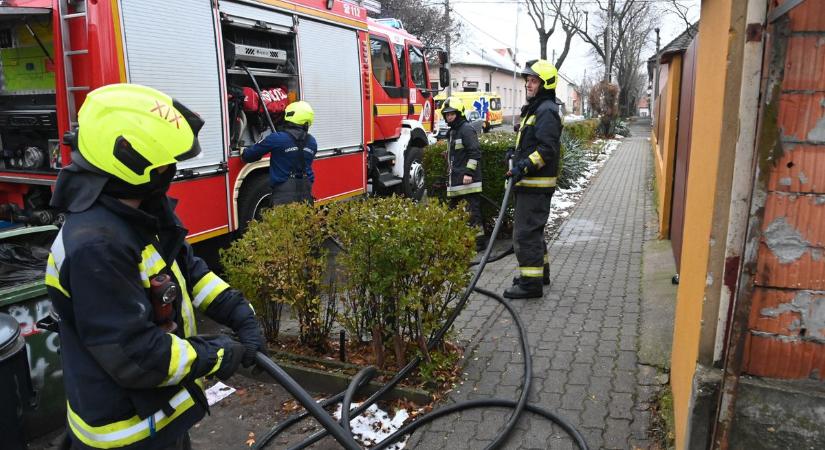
<point x="518" y="171"/>
<point x="233" y="353"/>
<point x="252" y="339"/>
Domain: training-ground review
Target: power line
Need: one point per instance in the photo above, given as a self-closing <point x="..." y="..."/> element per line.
<point x="468" y="21"/>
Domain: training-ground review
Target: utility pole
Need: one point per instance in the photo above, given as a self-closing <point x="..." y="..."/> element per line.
<point x="656" y="81"/>
<point x="608" y="47"/>
<point x="515" y="66"/>
<point x="448" y="39"/>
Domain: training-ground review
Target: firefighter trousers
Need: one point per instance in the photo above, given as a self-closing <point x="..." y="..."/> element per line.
<point x="472" y="205"/>
<point x="292" y="190"/>
<point x="531" y="213"/>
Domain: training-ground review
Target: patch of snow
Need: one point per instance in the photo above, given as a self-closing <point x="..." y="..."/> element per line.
<point x="218" y="392"/>
<point x="374" y="425"/>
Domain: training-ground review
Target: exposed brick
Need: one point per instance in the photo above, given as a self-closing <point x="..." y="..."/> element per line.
<point x="805" y="272"/>
<point x="808" y="16"/>
<point x="775" y="358"/>
<point x="805" y="62"/>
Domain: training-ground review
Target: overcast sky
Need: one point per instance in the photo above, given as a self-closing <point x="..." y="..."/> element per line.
<point x="493" y="23"/>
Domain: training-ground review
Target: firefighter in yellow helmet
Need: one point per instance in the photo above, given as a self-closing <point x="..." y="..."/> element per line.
<point x="464" y="165"/>
<point x="125" y="283"/>
<point x="534" y="168"/>
<point x="292" y="150"/>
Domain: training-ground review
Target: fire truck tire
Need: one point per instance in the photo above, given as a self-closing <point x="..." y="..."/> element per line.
<point x="413" y="185"/>
<point x="254" y="198"/>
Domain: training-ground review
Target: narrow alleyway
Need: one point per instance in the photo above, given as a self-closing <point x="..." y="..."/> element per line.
<point x="583" y="333"/>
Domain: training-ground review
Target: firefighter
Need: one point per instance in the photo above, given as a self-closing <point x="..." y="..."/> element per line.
<point x="535" y="166"/>
<point x="464" y="164"/>
<point x="125" y="283"/>
<point x="292" y="151"/>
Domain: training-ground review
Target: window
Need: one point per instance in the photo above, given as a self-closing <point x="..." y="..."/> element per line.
<point x="382" y="62"/>
<point x="436" y="86"/>
<point x="402" y="64"/>
<point x="486" y="87"/>
<point x="417" y="68"/>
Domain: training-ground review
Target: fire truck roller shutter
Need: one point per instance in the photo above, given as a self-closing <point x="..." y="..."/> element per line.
<point x="170" y="46"/>
<point x="331" y="83"/>
<point x="250" y="15"/>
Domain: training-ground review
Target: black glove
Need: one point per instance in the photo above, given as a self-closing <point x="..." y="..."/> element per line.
<point x="252" y="339"/>
<point x="233" y="352"/>
<point x="519" y="170"/>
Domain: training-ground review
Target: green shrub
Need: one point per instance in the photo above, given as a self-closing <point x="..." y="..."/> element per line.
<point x="493" y="164"/>
<point x="573" y="161"/>
<point x="281" y="260"/>
<point x="583" y="130"/>
<point x="405" y="264"/>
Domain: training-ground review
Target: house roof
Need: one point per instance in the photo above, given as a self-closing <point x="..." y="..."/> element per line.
<point x="681" y="42"/>
<point x="468" y="53"/>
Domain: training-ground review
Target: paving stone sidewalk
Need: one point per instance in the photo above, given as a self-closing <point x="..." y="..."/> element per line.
<point x="583" y="334"/>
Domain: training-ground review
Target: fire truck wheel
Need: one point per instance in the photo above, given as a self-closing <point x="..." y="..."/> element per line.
<point x="414" y="179"/>
<point x="254" y="197"/>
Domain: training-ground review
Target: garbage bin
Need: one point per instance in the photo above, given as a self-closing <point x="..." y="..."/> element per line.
<point x="15" y="383"/>
<point x="26" y="300"/>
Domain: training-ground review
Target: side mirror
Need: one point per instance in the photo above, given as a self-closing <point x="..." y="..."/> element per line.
<point x="442" y="57"/>
<point x="443" y="76"/>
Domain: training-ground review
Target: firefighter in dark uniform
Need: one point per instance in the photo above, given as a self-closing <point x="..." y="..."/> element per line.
<point x="125" y="283"/>
<point x="535" y="166"/>
<point x="292" y="150"/>
<point x="464" y="165"/>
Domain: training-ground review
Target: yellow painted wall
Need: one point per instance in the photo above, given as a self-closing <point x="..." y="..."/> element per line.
<point x="665" y="150"/>
<point x="711" y="72"/>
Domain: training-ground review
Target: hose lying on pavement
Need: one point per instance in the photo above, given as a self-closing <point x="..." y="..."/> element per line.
<point x="342" y="432"/>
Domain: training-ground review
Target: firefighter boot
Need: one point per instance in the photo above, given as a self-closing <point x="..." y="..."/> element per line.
<point x="530" y="289"/>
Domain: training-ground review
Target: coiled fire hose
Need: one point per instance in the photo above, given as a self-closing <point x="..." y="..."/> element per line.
<point x="341" y="430"/>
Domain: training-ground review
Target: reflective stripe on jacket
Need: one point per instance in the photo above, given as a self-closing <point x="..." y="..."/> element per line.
<point x="464" y="158"/>
<point x="538" y="141"/>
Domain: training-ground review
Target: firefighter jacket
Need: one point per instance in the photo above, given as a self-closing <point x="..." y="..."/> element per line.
<point x="128" y="383"/>
<point x="464" y="158"/>
<point x="538" y="148"/>
<point x="284" y="160"/>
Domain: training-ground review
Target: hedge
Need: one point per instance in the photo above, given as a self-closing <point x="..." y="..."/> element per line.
<point x="493" y="165"/>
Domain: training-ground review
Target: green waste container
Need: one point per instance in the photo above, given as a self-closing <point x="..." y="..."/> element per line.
<point x="27" y="301"/>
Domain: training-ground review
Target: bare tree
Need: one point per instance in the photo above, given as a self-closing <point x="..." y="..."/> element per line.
<point x="629" y="63"/>
<point x="613" y="19"/>
<point x="423" y="20"/>
<point x="681" y="11"/>
<point x="546" y="16"/>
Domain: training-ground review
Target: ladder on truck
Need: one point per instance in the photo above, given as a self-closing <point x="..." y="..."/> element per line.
<point x="69" y="53"/>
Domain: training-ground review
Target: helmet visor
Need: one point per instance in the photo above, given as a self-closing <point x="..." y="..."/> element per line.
<point x="195" y="123"/>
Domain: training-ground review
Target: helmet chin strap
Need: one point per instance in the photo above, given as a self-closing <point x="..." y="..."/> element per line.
<point x="158" y="184"/>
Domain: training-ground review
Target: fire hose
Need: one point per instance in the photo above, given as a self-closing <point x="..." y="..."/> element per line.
<point x="341" y="431"/>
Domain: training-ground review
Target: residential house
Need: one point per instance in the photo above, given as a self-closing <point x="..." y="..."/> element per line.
<point x="473" y="68"/>
<point x="748" y="355"/>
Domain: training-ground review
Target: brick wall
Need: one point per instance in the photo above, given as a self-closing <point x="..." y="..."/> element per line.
<point x="787" y="320"/>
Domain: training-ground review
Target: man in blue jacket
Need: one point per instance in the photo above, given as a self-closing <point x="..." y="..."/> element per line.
<point x="292" y="151"/>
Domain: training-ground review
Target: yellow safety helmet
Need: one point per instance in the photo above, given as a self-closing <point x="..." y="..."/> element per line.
<point x="452" y="104"/>
<point x="299" y="113"/>
<point x="126" y="130"/>
<point x="544" y="70"/>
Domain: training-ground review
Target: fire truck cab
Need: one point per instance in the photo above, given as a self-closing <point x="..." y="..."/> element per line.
<point x="232" y="61"/>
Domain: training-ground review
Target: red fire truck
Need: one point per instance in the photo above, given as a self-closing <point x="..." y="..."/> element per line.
<point x="366" y="80"/>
